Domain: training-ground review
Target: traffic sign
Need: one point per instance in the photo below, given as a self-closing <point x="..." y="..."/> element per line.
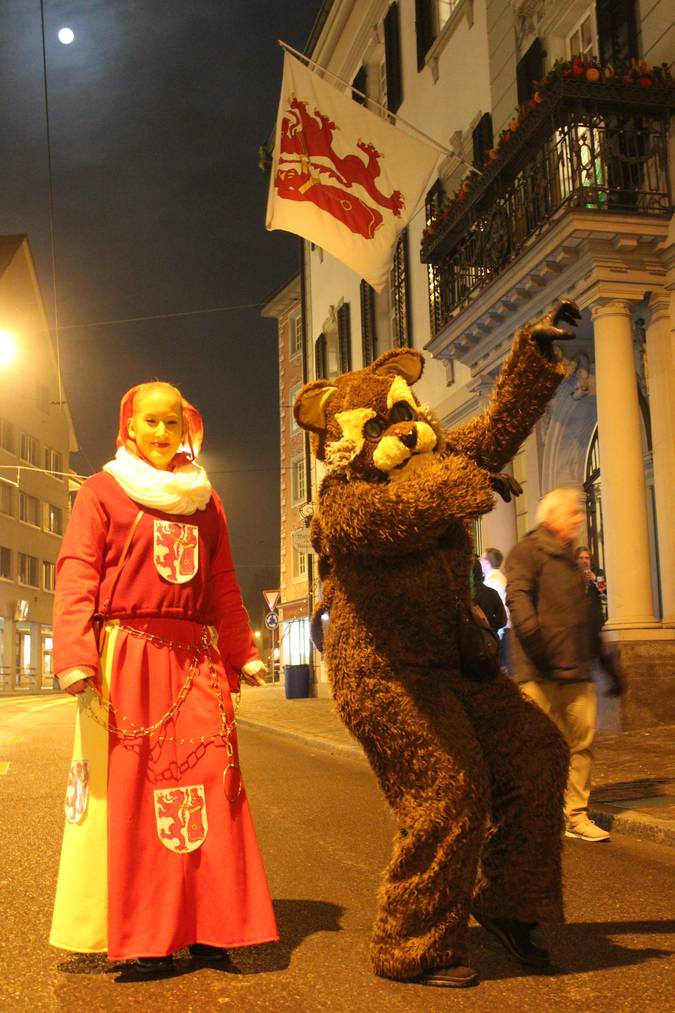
<point x="271" y="620"/>
<point x="272" y="599"/>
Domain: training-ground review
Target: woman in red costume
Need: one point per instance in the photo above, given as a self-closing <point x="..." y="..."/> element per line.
<point x="159" y="850"/>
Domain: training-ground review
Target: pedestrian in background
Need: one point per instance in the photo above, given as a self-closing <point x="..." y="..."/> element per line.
<point x="487" y="599"/>
<point x="556" y="641"/>
<point x="491" y="562"/>
<point x="582" y="558"/>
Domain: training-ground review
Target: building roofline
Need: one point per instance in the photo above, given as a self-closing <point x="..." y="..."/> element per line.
<point x="282" y="298"/>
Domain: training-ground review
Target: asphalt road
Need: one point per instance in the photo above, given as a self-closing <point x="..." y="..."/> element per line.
<point x="325" y="835"/>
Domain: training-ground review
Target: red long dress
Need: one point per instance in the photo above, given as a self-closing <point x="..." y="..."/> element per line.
<point x="162" y="852"/>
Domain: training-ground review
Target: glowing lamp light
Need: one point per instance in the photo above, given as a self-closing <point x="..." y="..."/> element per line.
<point x="65" y="36"/>
<point x="7" y="347"/>
<point x="257" y="634"/>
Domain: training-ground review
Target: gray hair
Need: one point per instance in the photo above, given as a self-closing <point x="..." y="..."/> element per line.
<point x="566" y="495"/>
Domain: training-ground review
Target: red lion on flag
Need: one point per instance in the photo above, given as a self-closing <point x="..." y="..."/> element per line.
<point x="310" y="140"/>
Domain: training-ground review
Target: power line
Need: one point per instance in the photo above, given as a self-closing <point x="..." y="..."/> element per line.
<point x="163" y="316"/>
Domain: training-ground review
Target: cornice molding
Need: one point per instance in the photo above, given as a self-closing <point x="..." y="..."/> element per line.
<point x="584" y="256"/>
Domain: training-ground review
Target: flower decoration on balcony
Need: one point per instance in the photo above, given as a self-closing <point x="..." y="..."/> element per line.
<point x="637" y="73"/>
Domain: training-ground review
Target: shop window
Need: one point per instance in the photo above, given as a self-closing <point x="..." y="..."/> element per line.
<point x="47" y="658"/>
<point x="29" y="509"/>
<point x="28" y="570"/>
<point x="297" y="644"/>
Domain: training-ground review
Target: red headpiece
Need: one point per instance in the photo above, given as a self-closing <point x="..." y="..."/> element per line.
<point x="193" y="427"/>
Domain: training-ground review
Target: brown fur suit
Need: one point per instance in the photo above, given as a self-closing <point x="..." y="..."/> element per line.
<point x="473" y="773"/>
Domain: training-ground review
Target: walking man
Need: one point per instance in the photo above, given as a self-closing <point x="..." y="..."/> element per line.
<point x="556" y="642"/>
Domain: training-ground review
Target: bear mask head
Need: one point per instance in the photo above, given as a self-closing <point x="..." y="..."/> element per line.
<point x="368" y="423"/>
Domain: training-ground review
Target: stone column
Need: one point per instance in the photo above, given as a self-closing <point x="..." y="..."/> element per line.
<point x="624" y="500"/>
<point x="661" y="381"/>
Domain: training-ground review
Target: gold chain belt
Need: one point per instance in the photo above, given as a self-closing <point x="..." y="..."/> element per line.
<point x="135" y="731"/>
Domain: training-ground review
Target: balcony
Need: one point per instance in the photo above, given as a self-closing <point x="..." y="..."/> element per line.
<point x="601" y="147"/>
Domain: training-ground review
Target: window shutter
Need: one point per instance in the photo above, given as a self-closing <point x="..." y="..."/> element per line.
<point x="344" y="338"/>
<point x="482" y="140"/>
<point x="320" y="358"/>
<point x="617" y="31"/>
<point x="401" y="294"/>
<point x="368" y="334"/>
<point x="392" y="57"/>
<point x="360" y="82"/>
<point x="424" y="29"/>
<point x="529" y="70"/>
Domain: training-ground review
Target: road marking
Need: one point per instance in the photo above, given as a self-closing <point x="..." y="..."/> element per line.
<point x="46" y="704"/>
<point x="19" y="699"/>
<point x="4" y="766"/>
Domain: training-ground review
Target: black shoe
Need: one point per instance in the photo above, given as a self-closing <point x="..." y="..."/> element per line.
<point x="515" y="937"/>
<point x="204" y="952"/>
<point x="452" y="976"/>
<point x="149" y="967"/>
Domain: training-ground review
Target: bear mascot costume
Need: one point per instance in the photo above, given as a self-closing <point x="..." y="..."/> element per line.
<point x="473" y="773"/>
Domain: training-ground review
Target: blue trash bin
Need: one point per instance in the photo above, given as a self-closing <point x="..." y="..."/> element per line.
<point x="296" y="681"/>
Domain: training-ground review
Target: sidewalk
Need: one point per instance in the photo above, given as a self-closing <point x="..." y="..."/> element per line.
<point x="633" y="773"/>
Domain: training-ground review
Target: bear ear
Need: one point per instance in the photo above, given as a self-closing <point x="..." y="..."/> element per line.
<point x="310" y="405"/>
<point x="405" y="362"/>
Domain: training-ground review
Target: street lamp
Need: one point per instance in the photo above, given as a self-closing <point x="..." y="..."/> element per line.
<point x="7" y="347"/>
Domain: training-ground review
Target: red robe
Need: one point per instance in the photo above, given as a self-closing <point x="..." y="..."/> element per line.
<point x="183" y="864"/>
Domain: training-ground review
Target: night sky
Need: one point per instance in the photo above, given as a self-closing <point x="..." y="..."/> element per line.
<point x="156" y="111"/>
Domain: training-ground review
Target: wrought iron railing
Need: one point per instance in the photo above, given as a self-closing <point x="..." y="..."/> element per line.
<point x="597" y="147"/>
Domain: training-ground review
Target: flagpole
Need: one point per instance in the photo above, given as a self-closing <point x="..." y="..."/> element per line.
<point x="436" y="144"/>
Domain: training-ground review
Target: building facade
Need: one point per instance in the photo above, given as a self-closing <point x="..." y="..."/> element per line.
<point x="564" y="112"/>
<point x="295" y="494"/>
<point x="36" y="438"/>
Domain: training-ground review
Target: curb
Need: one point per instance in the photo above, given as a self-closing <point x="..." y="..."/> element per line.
<point x="632" y="824"/>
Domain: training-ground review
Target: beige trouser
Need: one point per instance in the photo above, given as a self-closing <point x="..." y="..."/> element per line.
<point x="573" y="708"/>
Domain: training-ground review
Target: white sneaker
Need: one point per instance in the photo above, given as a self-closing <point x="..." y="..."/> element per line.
<point x="586" y="830"/>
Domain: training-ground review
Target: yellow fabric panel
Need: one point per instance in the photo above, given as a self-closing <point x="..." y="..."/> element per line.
<point x="80" y="919"/>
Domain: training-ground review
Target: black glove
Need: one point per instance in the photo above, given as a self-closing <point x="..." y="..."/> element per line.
<point x="610" y="666"/>
<point x="506" y="486"/>
<point x="546" y="331"/>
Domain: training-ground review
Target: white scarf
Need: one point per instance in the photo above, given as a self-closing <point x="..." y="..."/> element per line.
<point x="183" y="491"/>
